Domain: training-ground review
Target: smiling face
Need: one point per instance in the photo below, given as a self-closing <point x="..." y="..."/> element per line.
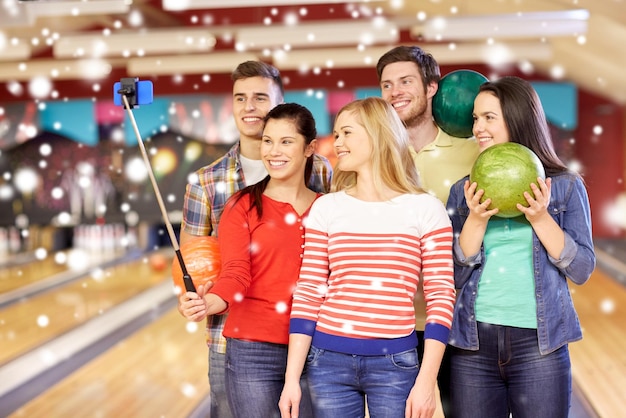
<point x="352" y="144"/>
<point x="253" y="98"/>
<point x="489" y="126"/>
<point x="283" y="149"/>
<point x="401" y="85"/>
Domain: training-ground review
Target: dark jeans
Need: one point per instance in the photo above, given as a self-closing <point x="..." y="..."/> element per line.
<point x="508" y="375"/>
<point x="255" y="376"/>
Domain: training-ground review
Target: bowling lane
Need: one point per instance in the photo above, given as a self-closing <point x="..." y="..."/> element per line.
<point x="17" y="276"/>
<point x="24" y="279"/>
<point x="159" y="371"/>
<point x="31" y="321"/>
<point x="599" y="359"/>
<point x="37" y="267"/>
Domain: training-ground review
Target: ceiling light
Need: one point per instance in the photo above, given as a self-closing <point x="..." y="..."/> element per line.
<point x="216" y="62"/>
<point x="14" y="15"/>
<point x="149" y="42"/>
<point x="316" y="34"/>
<point x="534" y="24"/>
<point x="306" y="60"/>
<point x="55" y="69"/>
<point x="227" y="4"/>
<point x="77" y="7"/>
<point x="11" y="52"/>
<point x="463" y="53"/>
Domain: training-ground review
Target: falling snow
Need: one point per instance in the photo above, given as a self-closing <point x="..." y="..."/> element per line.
<point x="72" y="182"/>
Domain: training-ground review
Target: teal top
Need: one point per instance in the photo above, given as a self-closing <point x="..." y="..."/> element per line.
<point x="506" y="290"/>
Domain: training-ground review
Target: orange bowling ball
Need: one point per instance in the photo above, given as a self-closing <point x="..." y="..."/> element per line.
<point x="201" y="256"/>
<point x="158" y="262"/>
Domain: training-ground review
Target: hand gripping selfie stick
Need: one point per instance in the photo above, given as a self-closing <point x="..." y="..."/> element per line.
<point x="132" y="92"/>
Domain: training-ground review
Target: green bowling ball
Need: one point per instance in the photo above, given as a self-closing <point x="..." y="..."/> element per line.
<point x="505" y="171"/>
<point x="454" y="101"/>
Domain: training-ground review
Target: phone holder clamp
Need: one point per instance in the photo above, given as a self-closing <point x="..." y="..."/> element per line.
<point x="128" y="89"/>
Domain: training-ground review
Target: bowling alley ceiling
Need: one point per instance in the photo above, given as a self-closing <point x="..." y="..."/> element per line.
<point x="97" y="41"/>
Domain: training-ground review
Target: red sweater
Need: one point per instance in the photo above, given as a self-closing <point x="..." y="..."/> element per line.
<point x="260" y="265"/>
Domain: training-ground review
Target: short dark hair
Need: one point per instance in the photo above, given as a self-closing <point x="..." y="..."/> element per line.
<point x="248" y="69"/>
<point x="428" y="66"/>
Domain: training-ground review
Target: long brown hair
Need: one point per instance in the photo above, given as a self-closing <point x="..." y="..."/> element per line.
<point x="525" y="119"/>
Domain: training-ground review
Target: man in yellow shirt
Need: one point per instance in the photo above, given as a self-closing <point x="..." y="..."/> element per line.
<point x="409" y="78"/>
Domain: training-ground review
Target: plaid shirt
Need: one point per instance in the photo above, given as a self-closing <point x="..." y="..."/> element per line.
<point x="204" y="202"/>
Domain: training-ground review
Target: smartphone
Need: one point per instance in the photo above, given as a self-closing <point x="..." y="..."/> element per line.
<point x="138" y="92"/>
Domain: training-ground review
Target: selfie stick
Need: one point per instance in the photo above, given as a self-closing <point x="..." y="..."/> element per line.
<point x="129" y="89"/>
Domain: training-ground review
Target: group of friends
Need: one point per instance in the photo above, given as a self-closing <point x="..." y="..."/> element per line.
<point x="368" y="287"/>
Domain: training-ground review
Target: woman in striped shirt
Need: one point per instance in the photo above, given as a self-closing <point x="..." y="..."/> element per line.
<point x="367" y="245"/>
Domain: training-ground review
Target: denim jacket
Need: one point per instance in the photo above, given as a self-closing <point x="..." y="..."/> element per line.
<point x="557" y="321"/>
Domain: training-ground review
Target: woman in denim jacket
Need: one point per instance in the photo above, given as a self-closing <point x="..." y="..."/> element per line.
<point x="514" y="315"/>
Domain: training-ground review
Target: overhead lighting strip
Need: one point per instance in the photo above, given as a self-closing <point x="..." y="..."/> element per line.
<point x="178" y="41"/>
<point x="215" y="62"/>
<point x="462" y="53"/>
<point x="177" y="5"/>
<point x="520" y="25"/>
<point x="366" y="33"/>
<point x="77" y="8"/>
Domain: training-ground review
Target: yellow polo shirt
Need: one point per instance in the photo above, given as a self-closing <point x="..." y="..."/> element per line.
<point x="444" y="161"/>
<point x="441" y="164"/>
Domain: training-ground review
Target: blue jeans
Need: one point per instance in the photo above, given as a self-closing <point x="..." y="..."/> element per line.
<point x="217" y="383"/>
<point x="340" y="382"/>
<point x="509" y="375"/>
<point x="255" y="376"/>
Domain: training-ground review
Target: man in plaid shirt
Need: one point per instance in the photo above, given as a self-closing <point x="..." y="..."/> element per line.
<point x="257" y="88"/>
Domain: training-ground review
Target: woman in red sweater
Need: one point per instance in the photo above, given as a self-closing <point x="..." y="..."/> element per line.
<point x="261" y="237"/>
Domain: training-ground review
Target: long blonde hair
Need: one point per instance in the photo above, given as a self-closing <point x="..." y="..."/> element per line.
<point x="392" y="164"/>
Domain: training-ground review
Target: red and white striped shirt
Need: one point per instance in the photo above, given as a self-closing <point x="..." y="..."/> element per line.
<point x="361" y="267"/>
